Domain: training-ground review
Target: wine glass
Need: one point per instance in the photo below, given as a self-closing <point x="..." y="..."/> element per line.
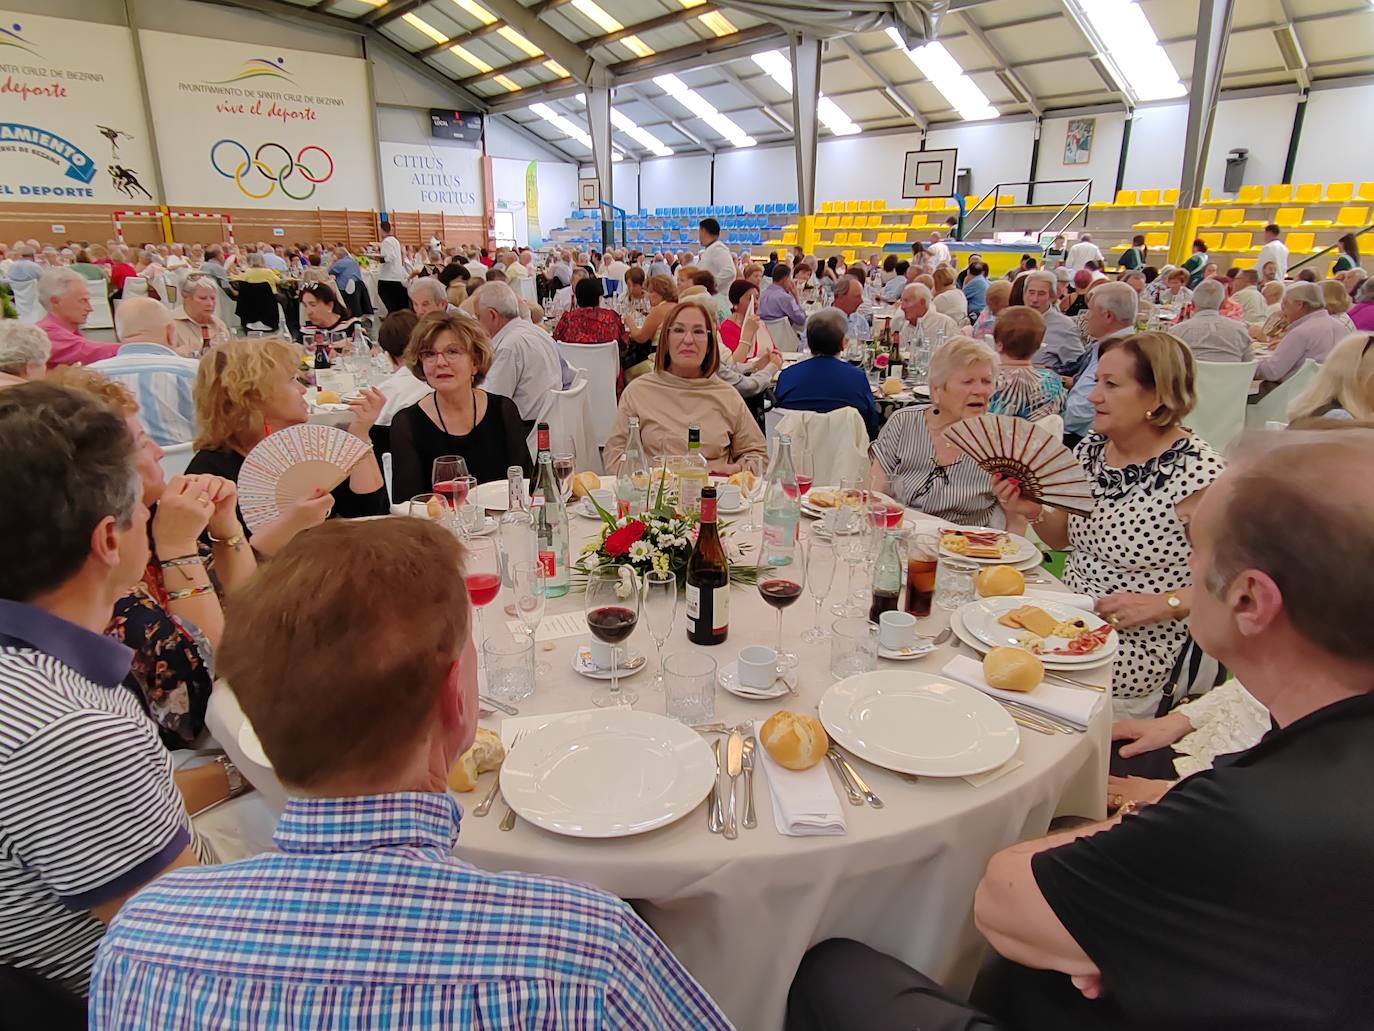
<point x="469" y="518"/>
<point x="660" y="613"/>
<point x="444" y="476"/>
<point x="780" y="584"/>
<point x="820" y="577"/>
<point x="482" y="575"/>
<point x="754" y="487"/>
<point x="612" y="611"/>
<point x="530" y="585"/>
<point x="851" y="546"/>
<point x="564" y="463"/>
<point x="805" y="470"/>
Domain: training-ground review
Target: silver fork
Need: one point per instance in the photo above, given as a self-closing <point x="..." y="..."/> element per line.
<point x="751" y="819"/>
<point x="508" y="821"/>
<point x="484" y="806"/>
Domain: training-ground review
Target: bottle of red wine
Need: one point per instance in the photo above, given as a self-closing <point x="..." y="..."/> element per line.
<point x="708" y="580"/>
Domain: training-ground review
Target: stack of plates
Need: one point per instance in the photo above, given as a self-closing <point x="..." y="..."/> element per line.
<point x="291" y="465"/>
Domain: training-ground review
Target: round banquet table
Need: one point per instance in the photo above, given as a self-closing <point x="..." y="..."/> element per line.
<point x="740" y="914"/>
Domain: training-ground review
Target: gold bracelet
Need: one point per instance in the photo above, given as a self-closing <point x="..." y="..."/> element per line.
<point x="190" y="592"/>
<point x="231" y="542"/>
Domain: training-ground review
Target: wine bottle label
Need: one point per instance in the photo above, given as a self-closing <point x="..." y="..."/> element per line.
<point x="720" y="608"/>
<point x="549" y="561"/>
<point x="542" y="440"/>
<point x="708" y="509"/>
<point x="693" y="604"/>
<point x="716" y="604"/>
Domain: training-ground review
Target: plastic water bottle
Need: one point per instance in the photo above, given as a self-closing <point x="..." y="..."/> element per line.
<point x="781" y="508"/>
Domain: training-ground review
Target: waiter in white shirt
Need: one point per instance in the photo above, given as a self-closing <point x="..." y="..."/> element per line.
<point x="1083" y="252"/>
<point x="1273" y="250"/>
<point x="939" y="251"/>
<point x="715" y="257"/>
<point x="391" y="278"/>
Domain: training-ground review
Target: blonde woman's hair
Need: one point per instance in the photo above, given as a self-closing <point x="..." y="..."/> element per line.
<point x="1337" y="297"/>
<point x="1345" y="378"/>
<point x="79" y="377"/>
<point x="233" y="384"/>
<point x="942" y="277"/>
<point x="1164" y="364"/>
<point x="958" y="354"/>
<point x="467" y="334"/>
<point x="663" y="286"/>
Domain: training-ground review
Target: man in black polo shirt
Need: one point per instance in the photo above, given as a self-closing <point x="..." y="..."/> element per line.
<point x="1243" y="898"/>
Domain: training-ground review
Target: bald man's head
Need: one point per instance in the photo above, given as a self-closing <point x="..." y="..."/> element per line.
<point x="142" y="320"/>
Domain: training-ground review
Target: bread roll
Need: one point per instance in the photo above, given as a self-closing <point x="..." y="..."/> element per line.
<point x="1012" y="669"/>
<point x="743" y="479"/>
<point x="999" y="581"/>
<point x="326" y="397"/>
<point x="584" y="483"/>
<point x="486" y="753"/>
<point x="891" y="386"/>
<point x="794" y="740"/>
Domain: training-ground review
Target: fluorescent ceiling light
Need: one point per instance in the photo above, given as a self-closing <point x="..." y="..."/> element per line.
<point x="702" y="108"/>
<point x="511" y="36"/>
<point x="1134" y="48"/>
<point x="463" y="54"/>
<point x="608" y="24"/>
<point x="507" y="82"/>
<point x="420" y="25"/>
<point x="557" y="69"/>
<point x="634" y="130"/>
<point x="569" y="128"/>
<point x="718" y="23"/>
<point x="476" y="10"/>
<point x="779" y="69"/>
<point x="946" y="74"/>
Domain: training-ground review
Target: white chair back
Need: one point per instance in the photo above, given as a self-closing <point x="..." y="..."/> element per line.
<point x="784" y="336"/>
<point x="1273" y="406"/>
<point x="1222" y="391"/>
<point x="26" y="301"/>
<point x="225" y="720"/>
<point x="525" y="289"/>
<point x="101" y="317"/>
<point x="837" y="442"/>
<point x="134" y="286"/>
<point x="600" y="363"/>
<point x="175" y="458"/>
<point x="571" y="416"/>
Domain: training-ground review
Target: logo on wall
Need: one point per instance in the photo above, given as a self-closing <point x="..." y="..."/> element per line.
<point x="114" y="136"/>
<point x="50" y="147"/>
<point x="231" y="159"/>
<point x="12" y="37"/>
<point x="258" y="68"/>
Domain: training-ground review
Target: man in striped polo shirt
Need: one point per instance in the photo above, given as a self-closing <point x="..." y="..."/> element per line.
<point x="89" y="811"/>
<point x="365" y="917"/>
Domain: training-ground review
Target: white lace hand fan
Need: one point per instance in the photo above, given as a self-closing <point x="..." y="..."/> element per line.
<point x="1020" y="450"/>
<point x="290" y="465"/>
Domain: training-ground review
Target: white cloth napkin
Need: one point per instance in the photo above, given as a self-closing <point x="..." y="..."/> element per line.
<point x="1078" y="601"/>
<point x="805" y="803"/>
<point x="1070" y="703"/>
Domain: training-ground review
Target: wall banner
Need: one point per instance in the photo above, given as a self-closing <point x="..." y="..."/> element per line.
<point x="243" y="125"/>
<point x="432" y="179"/>
<point x="71" y="118"/>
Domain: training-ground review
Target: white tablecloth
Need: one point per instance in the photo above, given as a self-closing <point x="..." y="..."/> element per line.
<point x="740" y="914"/>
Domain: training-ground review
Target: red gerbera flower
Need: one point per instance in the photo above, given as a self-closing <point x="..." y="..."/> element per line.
<point x="619" y="542"/>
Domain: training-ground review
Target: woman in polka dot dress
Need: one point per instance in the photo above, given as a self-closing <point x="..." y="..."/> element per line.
<point x="1148" y="473"/>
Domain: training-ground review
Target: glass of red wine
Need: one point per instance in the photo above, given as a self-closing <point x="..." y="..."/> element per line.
<point x="781" y="585"/>
<point x="805" y="471"/>
<point x="482" y="574"/>
<point x="447" y="477"/>
<point x="612" y="614"/>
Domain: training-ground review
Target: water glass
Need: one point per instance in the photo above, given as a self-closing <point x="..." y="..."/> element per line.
<point x="954" y="583"/>
<point x="853" y="647"/>
<point x="689" y="687"/>
<point x="509" y="660"/>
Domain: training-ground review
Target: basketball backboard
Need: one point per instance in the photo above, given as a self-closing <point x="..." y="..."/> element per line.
<point x="929" y="173"/>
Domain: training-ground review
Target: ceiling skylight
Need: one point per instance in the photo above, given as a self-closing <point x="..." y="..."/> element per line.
<point x="948" y="76"/>
<point x="1133" y="48"/>
<point x="703" y="109"/>
<point x="779" y="69"/>
<point x="634" y="130"/>
<point x="569" y="128"/>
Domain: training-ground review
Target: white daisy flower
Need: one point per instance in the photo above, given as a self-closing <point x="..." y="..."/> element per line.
<point x="641" y="550"/>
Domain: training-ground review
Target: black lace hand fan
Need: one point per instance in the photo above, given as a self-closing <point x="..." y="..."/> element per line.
<point x="1020" y="450"/>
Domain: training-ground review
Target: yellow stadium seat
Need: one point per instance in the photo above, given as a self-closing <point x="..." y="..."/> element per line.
<point x="1308" y="193"/>
<point x="1212" y="240"/>
<point x="1171" y="197"/>
<point x="1207" y="216"/>
<point x="1288" y="217"/>
<point x="1250" y="195"/>
<point x="851" y="205"/>
<point x="1366" y="192"/>
<point x="1339" y="193"/>
<point x="1125" y="198"/>
<point x="880" y="205"/>
<point x="1278" y="193"/>
<point x="1236" y="243"/>
<point x="1301" y="243"/>
<point x="1147" y="198"/>
<point x="1156" y="239"/>
<point x="883" y="239"/>
<point x="789" y="238"/>
<point x="847" y="222"/>
<point x="825" y="205"/>
<point x="922" y="203"/>
<point x="918" y="221"/>
<point x="1230" y="217"/>
<point x="1352" y="218"/>
<point x="865" y="205"/>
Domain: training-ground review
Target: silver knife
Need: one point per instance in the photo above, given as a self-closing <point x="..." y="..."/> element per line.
<point x="492" y="703"/>
<point x="750" y="819"/>
<point x="855" y="798"/>
<point x="734" y="763"/>
<point x="864" y="789"/>
<point x="715" y="816"/>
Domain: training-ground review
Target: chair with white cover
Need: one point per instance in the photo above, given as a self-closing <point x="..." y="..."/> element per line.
<point x="175" y="458"/>
<point x="26" y="301"/>
<point x="784" y="335"/>
<point x="524" y="287"/>
<point x="1273" y="406"/>
<point x="837" y="443"/>
<point x="225" y="720"/>
<point x="601" y="364"/>
<point x="134" y="286"/>
<point x="1222" y="390"/>
<point x="571" y="418"/>
<point x="101" y="316"/>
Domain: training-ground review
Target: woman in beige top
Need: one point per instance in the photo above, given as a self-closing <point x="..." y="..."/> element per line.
<point x="683" y="389"/>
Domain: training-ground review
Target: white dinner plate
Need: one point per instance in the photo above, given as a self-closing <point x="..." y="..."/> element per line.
<point x="981" y="620"/>
<point x="494" y="496"/>
<point x="607" y="774"/>
<point x="1050" y="662"/>
<point x="919" y="724"/>
<point x="634" y="661"/>
<point x="1025" y="550"/>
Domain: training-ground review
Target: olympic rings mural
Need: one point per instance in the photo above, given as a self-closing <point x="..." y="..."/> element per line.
<point x="256" y="165"/>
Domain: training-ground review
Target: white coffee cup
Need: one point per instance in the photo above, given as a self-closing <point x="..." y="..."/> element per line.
<point x="896" y="630"/>
<point x="601" y="654"/>
<point x="606" y="499"/>
<point x="728" y="496"/>
<point x="758" y="667"/>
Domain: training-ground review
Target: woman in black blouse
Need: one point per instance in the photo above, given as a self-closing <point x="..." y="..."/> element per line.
<point x="249" y="389"/>
<point x="452" y="354"/>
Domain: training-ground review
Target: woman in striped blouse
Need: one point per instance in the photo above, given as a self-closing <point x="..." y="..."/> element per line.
<point x="914" y="461"/>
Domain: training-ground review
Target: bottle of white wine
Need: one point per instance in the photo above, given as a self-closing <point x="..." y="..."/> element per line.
<point x="692" y="477"/>
<point x="550" y="520"/>
<point x="708" y="580"/>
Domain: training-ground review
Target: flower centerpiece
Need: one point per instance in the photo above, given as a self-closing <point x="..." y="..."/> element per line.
<point x="661" y="538"/>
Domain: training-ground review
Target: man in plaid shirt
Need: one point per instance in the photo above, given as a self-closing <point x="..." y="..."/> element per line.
<point x="365" y="919"/>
